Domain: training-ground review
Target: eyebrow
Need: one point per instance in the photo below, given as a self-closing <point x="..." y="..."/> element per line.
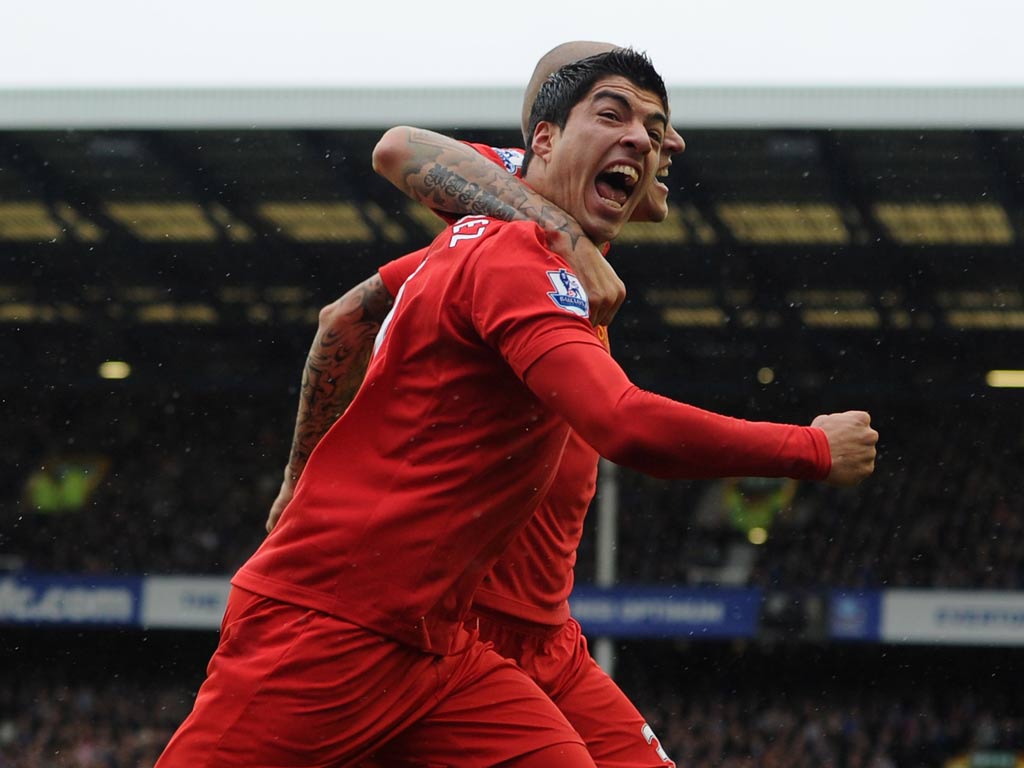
<point x="626" y="104"/>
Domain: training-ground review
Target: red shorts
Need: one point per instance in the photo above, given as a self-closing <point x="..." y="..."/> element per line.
<point x="289" y="686"/>
<point x="559" y="662"/>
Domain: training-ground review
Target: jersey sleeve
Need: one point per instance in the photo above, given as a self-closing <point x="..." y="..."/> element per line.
<point x="396" y="272"/>
<point x="664" y="438"/>
<point x="525" y="299"/>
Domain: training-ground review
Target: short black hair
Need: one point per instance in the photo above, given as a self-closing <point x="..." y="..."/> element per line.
<point x="566" y="87"/>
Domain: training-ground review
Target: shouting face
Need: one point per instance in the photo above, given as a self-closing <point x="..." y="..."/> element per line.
<point x="602" y="163"/>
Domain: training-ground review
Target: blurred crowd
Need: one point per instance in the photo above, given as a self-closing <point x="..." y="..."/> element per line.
<point x="103" y="725"/>
<point x="748" y="730"/>
<point x="185" y="484"/>
<point x="121" y="724"/>
<point x="944" y="509"/>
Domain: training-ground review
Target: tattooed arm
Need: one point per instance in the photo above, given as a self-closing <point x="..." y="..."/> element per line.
<point x="333" y="373"/>
<point x="449" y="176"/>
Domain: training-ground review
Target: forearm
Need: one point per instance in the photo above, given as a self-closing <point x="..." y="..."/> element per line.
<point x="664" y="438"/>
<point x="449" y="176"/>
<point x="668" y="439"/>
<point x="336" y="365"/>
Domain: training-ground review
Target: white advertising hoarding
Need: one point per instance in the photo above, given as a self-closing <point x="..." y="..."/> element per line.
<point x="184" y="602"/>
<point x="952" y="617"/>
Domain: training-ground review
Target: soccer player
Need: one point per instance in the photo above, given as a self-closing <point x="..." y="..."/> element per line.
<point x="454" y="179"/>
<point x="521" y="605"/>
<point x="528" y="620"/>
<point x="531" y="612"/>
<point x="344" y="633"/>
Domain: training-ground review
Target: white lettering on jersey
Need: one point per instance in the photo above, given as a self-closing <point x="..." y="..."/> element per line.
<point x="568" y="293"/>
<point x="477" y="225"/>
<point x="387" y="320"/>
<point x="651" y="739"/>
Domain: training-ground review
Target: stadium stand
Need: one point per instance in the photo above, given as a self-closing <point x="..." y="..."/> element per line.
<point x="800" y="271"/>
<point x="709" y="705"/>
<point x="186" y="486"/>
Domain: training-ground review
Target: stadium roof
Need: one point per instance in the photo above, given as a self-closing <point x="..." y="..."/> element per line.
<point x="999" y="107"/>
<point x="323" y="64"/>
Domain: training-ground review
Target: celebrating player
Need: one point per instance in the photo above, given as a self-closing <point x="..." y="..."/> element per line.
<point x="522" y="606"/>
<point x="344" y="633"/>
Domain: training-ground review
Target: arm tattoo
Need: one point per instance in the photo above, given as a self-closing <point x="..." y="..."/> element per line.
<point x="448" y="190"/>
<point x="336" y="364"/>
<point x="451" y="177"/>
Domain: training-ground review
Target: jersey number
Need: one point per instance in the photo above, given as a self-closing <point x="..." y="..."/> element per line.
<point x="651" y="739"/>
<point x="476" y="227"/>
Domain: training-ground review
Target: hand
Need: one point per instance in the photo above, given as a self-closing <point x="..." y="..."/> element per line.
<point x="283" y="497"/>
<point x="852" y="443"/>
<point x="605" y="291"/>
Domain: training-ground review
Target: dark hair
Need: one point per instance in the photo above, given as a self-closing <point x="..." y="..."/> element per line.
<point x="566" y="87"/>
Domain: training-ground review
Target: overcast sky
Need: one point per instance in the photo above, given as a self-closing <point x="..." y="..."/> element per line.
<point x="402" y="42"/>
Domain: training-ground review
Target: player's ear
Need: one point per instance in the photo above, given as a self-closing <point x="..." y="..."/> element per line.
<point x="544" y="139"/>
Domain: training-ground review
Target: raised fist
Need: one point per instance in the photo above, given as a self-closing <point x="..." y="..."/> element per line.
<point x="852" y="443"/>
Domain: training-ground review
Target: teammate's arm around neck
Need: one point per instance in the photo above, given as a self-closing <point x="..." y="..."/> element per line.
<point x="451" y="177"/>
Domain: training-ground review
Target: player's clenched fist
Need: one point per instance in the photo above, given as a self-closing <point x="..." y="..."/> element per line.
<point x="605" y="291"/>
<point x="852" y="443"/>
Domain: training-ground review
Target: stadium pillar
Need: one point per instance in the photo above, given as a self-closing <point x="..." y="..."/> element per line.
<point x="607" y="544"/>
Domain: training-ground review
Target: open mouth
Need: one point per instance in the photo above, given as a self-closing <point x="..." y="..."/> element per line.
<point x="660" y="178"/>
<point x="616" y="183"/>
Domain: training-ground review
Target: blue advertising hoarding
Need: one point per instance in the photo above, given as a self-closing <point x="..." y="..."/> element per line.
<point x="46" y="599"/>
<point x="874" y="616"/>
<point x="667" y="612"/>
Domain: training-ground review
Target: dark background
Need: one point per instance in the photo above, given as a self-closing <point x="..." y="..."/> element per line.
<point x="866" y="269"/>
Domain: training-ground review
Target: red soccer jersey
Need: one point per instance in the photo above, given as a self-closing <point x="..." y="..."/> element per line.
<point x="533" y="578"/>
<point x="408" y="500"/>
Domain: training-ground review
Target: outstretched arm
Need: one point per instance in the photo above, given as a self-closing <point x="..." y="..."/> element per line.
<point x="449" y="176"/>
<point x="334" y="370"/>
<point x="665" y="438"/>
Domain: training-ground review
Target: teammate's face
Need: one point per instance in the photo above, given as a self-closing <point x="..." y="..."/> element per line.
<point x="655" y="206"/>
<point x="602" y="164"/>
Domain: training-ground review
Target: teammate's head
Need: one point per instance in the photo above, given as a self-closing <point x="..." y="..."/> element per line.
<point x="596" y="130"/>
<point x="551" y="62"/>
